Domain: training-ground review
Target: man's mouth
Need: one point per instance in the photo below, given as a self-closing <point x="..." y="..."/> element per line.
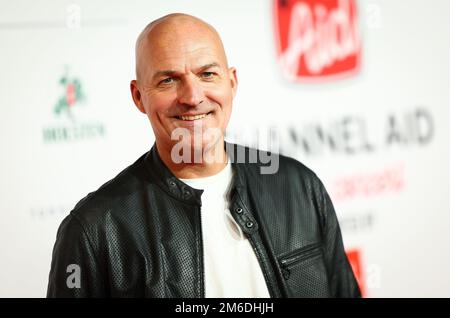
<point x="192" y="117"/>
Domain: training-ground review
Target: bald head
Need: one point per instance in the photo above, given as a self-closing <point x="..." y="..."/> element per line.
<point x="170" y="30"/>
<point x="184" y="85"/>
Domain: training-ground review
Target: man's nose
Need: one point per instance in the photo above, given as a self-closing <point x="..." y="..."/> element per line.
<point x="190" y="93"/>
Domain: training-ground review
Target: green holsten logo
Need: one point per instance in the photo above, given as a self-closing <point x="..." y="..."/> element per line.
<point x="72" y="96"/>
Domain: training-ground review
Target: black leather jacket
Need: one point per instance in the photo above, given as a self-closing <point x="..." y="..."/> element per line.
<point x="139" y="235"/>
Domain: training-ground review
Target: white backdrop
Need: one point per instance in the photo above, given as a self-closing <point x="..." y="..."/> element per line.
<point x="378" y="138"/>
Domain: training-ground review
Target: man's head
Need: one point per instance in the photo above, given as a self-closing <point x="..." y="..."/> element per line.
<point x="183" y="80"/>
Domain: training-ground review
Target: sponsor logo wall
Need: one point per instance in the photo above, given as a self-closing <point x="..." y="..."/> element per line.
<point x="356" y="90"/>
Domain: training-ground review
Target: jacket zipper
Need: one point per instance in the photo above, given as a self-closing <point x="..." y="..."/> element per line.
<point x="301" y="254"/>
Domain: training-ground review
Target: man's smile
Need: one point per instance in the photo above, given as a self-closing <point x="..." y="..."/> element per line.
<point x="192" y="117"/>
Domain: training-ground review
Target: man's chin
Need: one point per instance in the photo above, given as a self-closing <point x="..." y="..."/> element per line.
<point x="200" y="146"/>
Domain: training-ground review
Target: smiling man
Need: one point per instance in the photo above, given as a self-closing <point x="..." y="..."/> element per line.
<point x="197" y="216"/>
<point x="183" y="83"/>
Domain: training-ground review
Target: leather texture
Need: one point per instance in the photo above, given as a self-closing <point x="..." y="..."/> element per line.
<point x="140" y="234"/>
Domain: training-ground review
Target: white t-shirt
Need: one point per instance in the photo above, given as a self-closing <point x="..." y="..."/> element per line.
<point x="231" y="266"/>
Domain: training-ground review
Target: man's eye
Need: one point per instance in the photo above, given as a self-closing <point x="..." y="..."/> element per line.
<point x="168" y="80"/>
<point x="207" y="74"/>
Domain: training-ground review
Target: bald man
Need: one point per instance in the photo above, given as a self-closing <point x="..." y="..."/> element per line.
<point x="182" y="72"/>
<point x="197" y="216"/>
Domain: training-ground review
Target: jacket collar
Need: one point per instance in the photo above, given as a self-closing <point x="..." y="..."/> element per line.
<point x="168" y="182"/>
<point x="175" y="187"/>
<point x="238" y="197"/>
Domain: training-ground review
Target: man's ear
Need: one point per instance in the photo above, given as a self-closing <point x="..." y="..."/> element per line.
<point x="136" y="94"/>
<point x="233" y="80"/>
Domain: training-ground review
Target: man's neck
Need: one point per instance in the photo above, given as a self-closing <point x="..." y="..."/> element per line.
<point x="204" y="167"/>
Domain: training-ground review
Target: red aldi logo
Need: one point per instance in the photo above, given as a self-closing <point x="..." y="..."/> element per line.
<point x="317" y="39"/>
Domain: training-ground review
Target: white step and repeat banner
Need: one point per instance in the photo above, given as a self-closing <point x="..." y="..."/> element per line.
<point x="357" y="90"/>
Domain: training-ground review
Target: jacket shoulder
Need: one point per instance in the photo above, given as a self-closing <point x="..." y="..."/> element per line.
<point x="111" y="194"/>
<point x="289" y="165"/>
<point x="274" y="165"/>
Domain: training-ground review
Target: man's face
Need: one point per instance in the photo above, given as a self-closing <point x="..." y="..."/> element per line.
<point x="184" y="82"/>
